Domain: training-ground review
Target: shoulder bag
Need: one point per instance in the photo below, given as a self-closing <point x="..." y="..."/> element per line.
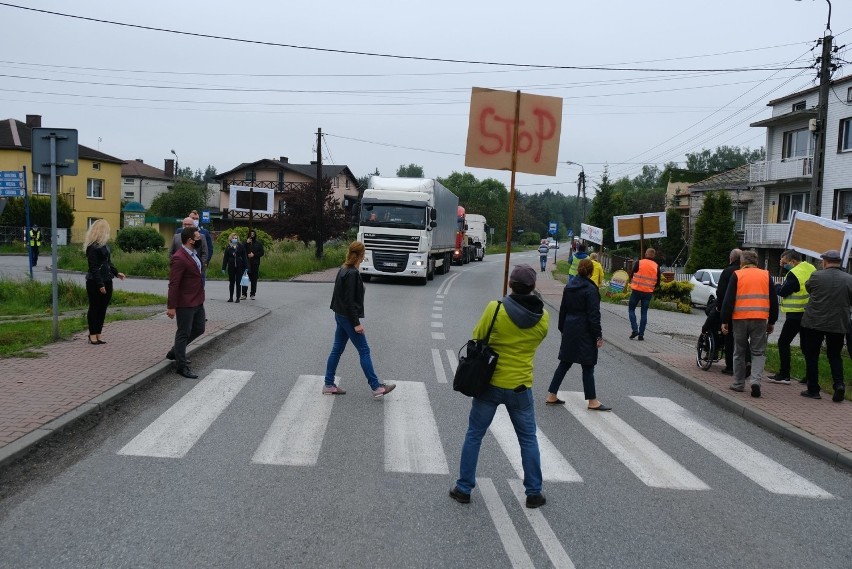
<point x="476" y="367"/>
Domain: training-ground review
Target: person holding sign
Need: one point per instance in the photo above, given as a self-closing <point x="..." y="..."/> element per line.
<point x="646" y="277"/>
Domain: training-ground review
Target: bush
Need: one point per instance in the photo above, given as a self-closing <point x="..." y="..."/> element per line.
<point x="242" y="232"/>
<point x="676" y="291"/>
<point x="139" y="239"/>
<point x="529" y="238"/>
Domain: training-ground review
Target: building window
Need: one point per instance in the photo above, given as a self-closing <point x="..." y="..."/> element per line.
<point x="798" y="143"/>
<point x="282" y="206"/>
<point x="337" y="181"/>
<point x="347" y="182"/>
<point x="739" y="218"/>
<point x="849" y="95"/>
<point x="790" y="203"/>
<point x="250" y="176"/>
<point x="843" y="204"/>
<point x="95" y="188"/>
<point x="90" y="221"/>
<point x="845" y="142"/>
<point x="129" y="195"/>
<point x="799" y="106"/>
<point x="128" y="180"/>
<point x="96" y="166"/>
<point x="41" y="184"/>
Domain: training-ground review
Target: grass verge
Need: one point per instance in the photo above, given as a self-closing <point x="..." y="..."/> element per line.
<point x="33" y="298"/>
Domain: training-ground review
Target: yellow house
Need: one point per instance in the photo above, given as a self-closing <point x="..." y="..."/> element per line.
<point x="94" y="193"/>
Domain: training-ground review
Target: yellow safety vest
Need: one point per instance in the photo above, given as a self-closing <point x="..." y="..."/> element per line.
<point x="35" y="241"/>
<point x="797" y="301"/>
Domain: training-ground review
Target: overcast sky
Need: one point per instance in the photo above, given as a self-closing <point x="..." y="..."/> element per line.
<point x="139" y="93"/>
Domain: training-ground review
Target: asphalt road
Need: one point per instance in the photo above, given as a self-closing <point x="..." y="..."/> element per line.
<point x="250" y="466"/>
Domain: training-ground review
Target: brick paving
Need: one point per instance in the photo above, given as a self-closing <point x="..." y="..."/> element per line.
<point x="40" y="394"/>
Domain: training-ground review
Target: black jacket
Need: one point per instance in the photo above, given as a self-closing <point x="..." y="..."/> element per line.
<point x="348" y="296"/>
<point x="255" y="247"/>
<point x="724" y="279"/>
<point x="235" y="258"/>
<point x="580" y="321"/>
<point x="101" y="269"/>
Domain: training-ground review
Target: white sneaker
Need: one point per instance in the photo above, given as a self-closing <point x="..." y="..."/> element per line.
<point x="383" y="390"/>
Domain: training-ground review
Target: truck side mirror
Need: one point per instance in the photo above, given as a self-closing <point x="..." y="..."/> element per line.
<point x="433" y="215"/>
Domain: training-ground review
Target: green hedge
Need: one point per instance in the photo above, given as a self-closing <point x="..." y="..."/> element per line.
<point x="139" y="239"/>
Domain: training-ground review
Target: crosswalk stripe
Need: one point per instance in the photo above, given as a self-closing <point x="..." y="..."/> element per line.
<point x="554" y="467"/>
<point x="512" y="543"/>
<point x="439" y="366"/>
<point x="295" y="436"/>
<point x="748" y="461"/>
<point x="645" y="459"/>
<point x="453" y="359"/>
<point x="174" y="432"/>
<point x="557" y="554"/>
<point x="412" y="442"/>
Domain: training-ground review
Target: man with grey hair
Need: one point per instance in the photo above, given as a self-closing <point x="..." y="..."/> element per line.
<point x="794" y="300"/>
<point x="751" y="307"/>
<point x="724" y="279"/>
<point x="827" y="317"/>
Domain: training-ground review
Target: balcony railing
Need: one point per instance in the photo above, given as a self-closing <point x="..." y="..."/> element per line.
<point x="763" y="234"/>
<point x="772" y="170"/>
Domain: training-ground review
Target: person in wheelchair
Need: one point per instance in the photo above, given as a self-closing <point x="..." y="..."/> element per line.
<point x="713" y="325"/>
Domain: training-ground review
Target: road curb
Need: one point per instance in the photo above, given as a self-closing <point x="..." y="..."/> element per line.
<point x="19" y="447"/>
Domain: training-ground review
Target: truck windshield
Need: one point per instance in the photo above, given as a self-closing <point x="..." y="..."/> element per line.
<point x="393" y="215"/>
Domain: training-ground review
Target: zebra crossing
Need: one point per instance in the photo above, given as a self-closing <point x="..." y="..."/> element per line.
<point x="412" y="442"/>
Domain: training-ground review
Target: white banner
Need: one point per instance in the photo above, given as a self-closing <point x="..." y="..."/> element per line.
<point x="591" y="233"/>
<point x="643" y="225"/>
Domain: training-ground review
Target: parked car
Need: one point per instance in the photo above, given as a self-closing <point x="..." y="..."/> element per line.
<point x="552" y="244"/>
<point x="704" y="283"/>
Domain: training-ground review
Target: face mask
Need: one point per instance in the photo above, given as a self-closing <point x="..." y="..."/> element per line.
<point x="788" y="266"/>
<point x="235" y="241"/>
<point x="195" y="223"/>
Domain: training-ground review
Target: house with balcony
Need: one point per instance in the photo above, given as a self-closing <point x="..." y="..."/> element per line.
<point x="745" y="201"/>
<point x="282" y="177"/>
<point x="94" y="193"/>
<point x="784" y="179"/>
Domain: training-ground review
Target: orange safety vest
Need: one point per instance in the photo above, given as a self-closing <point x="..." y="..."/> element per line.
<point x="752" y="300"/>
<point x="645" y="279"/>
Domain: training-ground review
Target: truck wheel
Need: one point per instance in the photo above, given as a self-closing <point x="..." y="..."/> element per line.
<point x="366" y="278"/>
<point x="448" y="261"/>
<point x="430" y="269"/>
<point x="465" y="257"/>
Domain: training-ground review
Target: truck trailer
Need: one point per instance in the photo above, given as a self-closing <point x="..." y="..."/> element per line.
<point x="476" y="230"/>
<point x="463" y="250"/>
<point x="408" y="227"/>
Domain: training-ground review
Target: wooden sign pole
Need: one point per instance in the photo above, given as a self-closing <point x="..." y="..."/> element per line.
<point x="641" y="237"/>
<point x="512" y="191"/>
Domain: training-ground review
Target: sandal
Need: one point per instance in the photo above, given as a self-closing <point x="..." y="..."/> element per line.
<point x="557" y="402"/>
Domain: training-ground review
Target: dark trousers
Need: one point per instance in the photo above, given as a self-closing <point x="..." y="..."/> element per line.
<point x="34" y="250"/>
<point x="234" y="277"/>
<point x="190" y="325"/>
<point x="98" y="303"/>
<point x="588" y="379"/>
<point x="811" y="346"/>
<point x="788" y="332"/>
<point x="253" y="270"/>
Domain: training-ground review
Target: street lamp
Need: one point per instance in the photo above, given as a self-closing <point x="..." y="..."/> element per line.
<point x="581" y="185"/>
<point x="177" y="164"/>
<point x="828" y="23"/>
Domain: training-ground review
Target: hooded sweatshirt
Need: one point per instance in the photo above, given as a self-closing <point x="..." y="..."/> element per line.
<point x="520" y="327"/>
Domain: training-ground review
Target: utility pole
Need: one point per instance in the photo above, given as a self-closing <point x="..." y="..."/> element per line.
<point x="825" y="69"/>
<point x="319" y="194"/>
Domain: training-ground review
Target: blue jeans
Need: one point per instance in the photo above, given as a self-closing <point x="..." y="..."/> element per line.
<point x="543" y="260"/>
<point x="346" y="331"/>
<point x="522" y="412"/>
<point x="637" y="297"/>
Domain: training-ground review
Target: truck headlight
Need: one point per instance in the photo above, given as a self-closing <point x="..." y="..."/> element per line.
<point x="418" y="263"/>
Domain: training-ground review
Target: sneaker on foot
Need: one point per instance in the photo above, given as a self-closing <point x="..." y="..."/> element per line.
<point x="383" y="390"/>
<point x="755" y="390"/>
<point x="810" y="395"/>
<point x="536" y="500"/>
<point x="633" y="334"/>
<point x="738" y="388"/>
<point x="839" y="393"/>
<point x="641" y="338"/>
<point x="332" y="390"/>
<point x="778" y="378"/>
<point x="459" y="496"/>
<point x="727" y="371"/>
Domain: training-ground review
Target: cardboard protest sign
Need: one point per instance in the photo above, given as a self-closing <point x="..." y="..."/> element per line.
<point x="639" y="226"/>
<point x="591" y="233"/>
<point x="618" y="281"/>
<point x="490" y="131"/>
<point x="813" y="235"/>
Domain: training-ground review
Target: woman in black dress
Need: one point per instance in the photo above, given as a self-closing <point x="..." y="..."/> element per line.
<point x="99" y="277"/>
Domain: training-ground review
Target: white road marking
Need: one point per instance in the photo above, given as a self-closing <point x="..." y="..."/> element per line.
<point x="557" y="554"/>
<point x="295" y="436"/>
<point x="439" y="366"/>
<point x="453" y="359"/>
<point x="412" y="442"/>
<point x="438" y="336"/>
<point x="174" y="432"/>
<point x="554" y="467"/>
<point x="437" y="316"/>
<point x="750" y="462"/>
<point x="437" y="324"/>
<point x="512" y="542"/>
<point x="645" y="459"/>
<point x="439" y="302"/>
<point x="437" y="308"/>
<point x="444" y="289"/>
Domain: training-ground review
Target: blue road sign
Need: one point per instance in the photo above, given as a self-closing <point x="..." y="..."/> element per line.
<point x="570" y="233"/>
<point x="11" y="183"/>
<point x="205" y="216"/>
<point x="11" y="175"/>
<point x="11" y="192"/>
<point x="552" y="228"/>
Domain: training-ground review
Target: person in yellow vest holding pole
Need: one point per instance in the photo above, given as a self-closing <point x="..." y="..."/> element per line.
<point x="646" y="277"/>
<point x="751" y="306"/>
<point x="794" y="298"/>
<point x="35" y="243"/>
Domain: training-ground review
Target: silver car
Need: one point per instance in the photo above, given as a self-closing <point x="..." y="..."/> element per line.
<point x="704" y="283"/>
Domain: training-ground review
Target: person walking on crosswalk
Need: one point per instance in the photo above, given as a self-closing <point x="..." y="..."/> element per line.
<point x="518" y="330"/>
<point x="347" y="302"/>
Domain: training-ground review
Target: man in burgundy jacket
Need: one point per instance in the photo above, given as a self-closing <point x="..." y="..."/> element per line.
<point x="186" y="299"/>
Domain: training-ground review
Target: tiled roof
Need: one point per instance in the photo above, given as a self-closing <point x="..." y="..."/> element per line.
<point x="16" y="135"/>
<point x="138" y="169"/>
<point x="308" y="170"/>
<point x="733" y="179"/>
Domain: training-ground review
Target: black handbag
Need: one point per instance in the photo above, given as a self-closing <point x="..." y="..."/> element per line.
<point x="476" y="368"/>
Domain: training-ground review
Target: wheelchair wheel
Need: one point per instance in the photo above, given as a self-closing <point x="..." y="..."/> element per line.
<point x="705" y="350"/>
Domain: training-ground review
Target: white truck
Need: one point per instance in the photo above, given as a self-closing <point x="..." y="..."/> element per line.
<point x="476" y="234"/>
<point x="408" y="227"/>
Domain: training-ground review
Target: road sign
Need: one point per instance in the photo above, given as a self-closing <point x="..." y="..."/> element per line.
<point x="11" y="184"/>
<point x="11" y="192"/>
<point x="12" y="176"/>
<point x="205" y="216"/>
<point x="552" y="228"/>
<point x="66" y="150"/>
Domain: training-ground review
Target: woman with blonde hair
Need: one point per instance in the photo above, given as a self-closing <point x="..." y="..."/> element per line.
<point x="99" y="277"/>
<point x="347" y="302"/>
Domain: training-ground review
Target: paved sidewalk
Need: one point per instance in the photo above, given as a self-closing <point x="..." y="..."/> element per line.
<point x="819" y="426"/>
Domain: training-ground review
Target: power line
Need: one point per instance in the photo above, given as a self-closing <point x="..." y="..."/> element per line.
<point x="367" y="53"/>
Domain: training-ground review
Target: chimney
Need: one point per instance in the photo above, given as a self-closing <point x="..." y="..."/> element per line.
<point x="139" y="160"/>
<point x="169" y="168"/>
<point x="284" y="159"/>
<point x="34" y="121"/>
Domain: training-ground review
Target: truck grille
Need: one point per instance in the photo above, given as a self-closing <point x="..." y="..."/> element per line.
<point x="378" y="242"/>
<point x="390" y="262"/>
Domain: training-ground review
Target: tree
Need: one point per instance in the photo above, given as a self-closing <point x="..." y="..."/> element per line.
<point x="715" y="233"/>
<point x="15" y="212"/>
<point x="410" y="171"/>
<point x="488" y="198"/>
<point x="184" y="197"/>
<point x="311" y="217"/>
<point x="606" y="204"/>
<point x="723" y="158"/>
<point x="364" y="181"/>
<point x="672" y="245"/>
